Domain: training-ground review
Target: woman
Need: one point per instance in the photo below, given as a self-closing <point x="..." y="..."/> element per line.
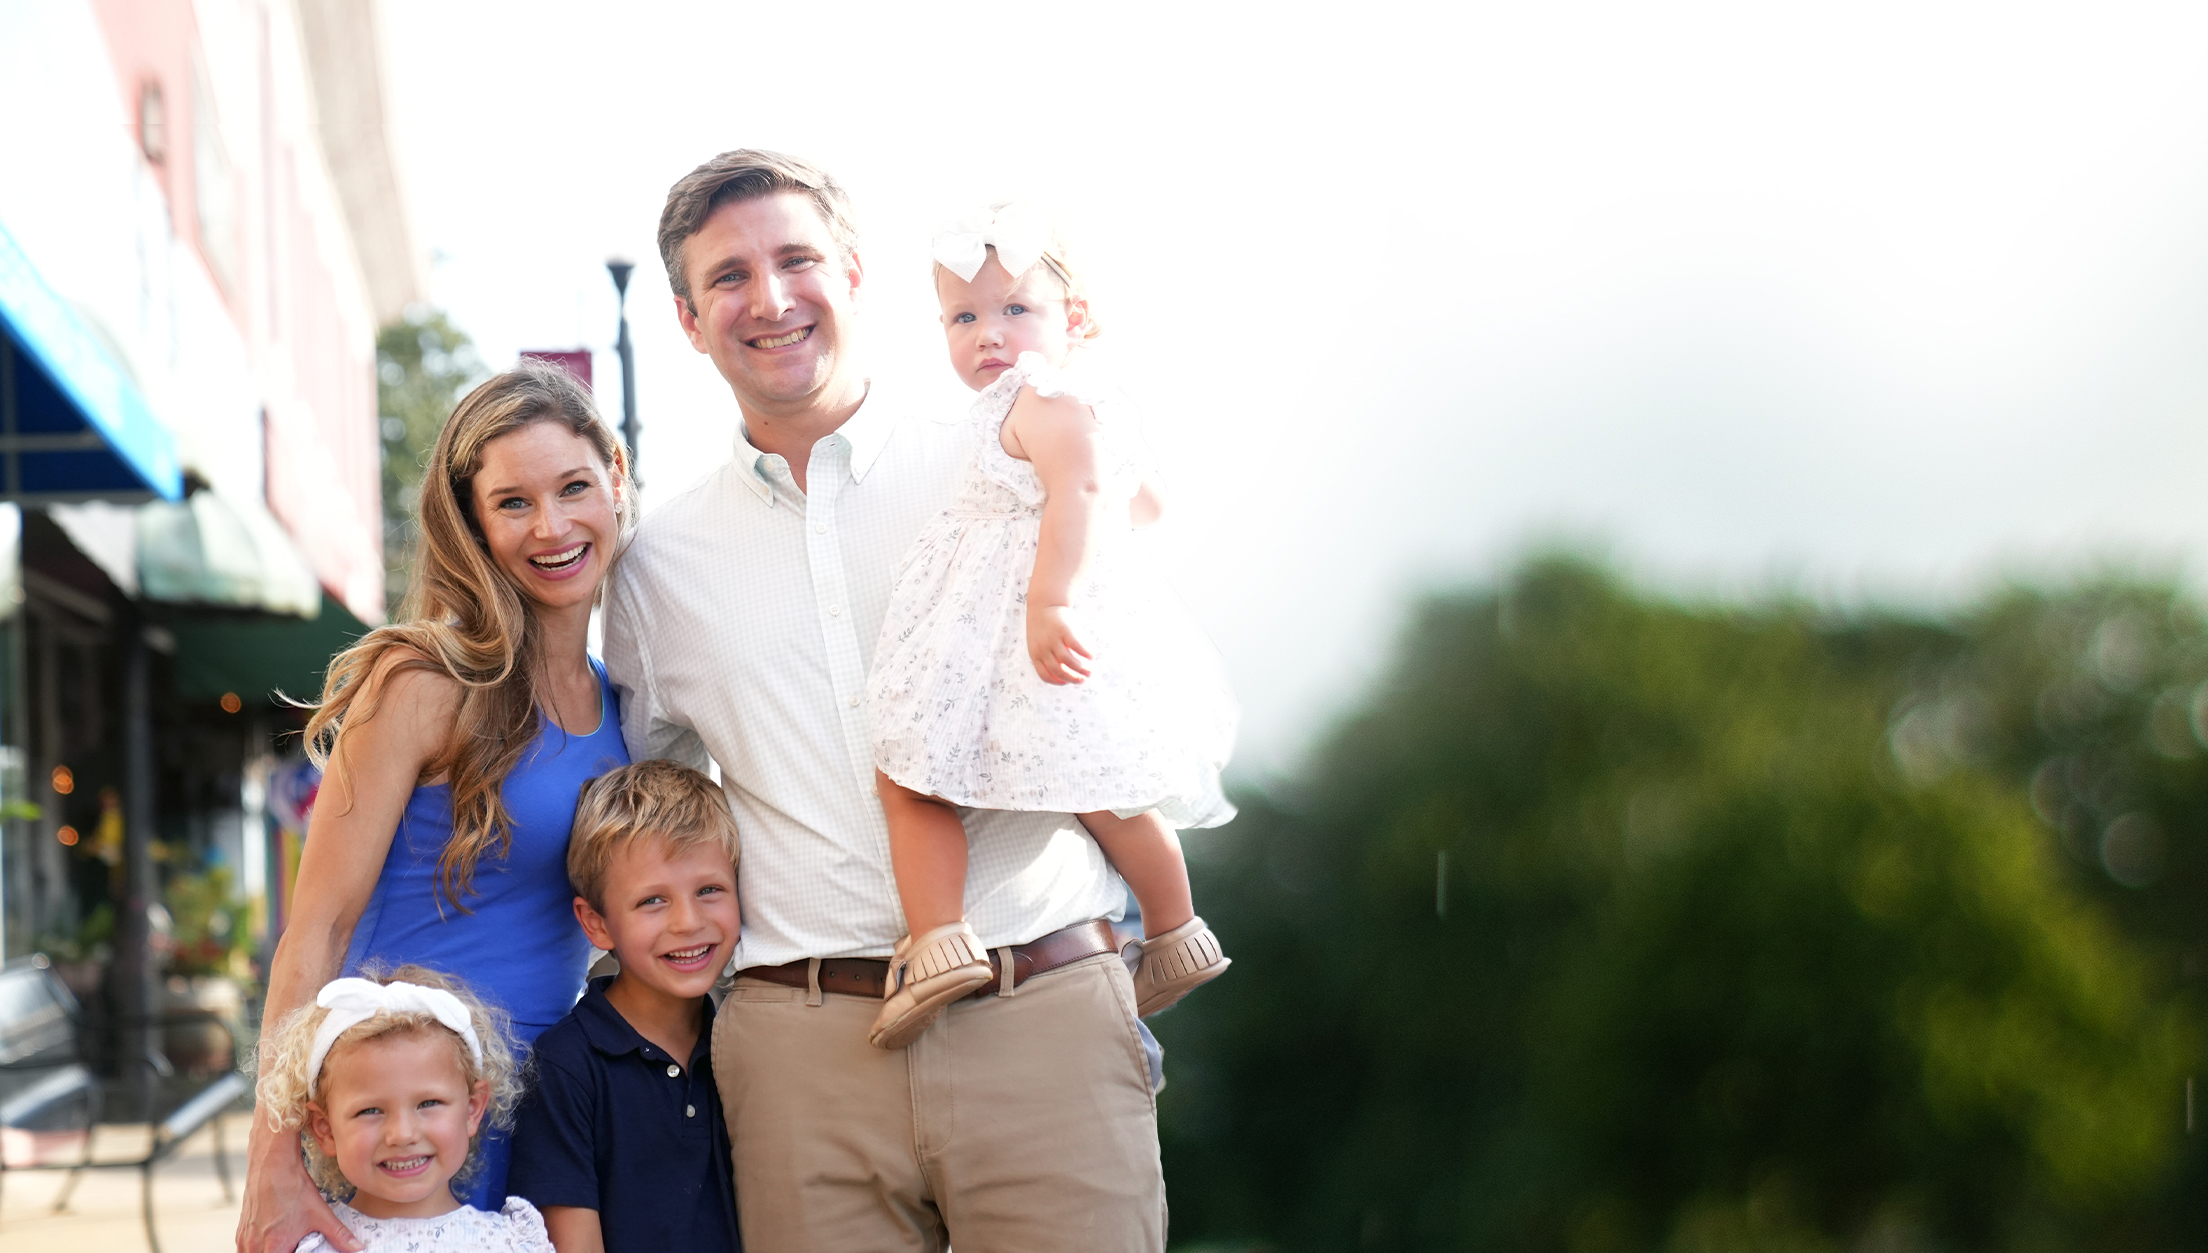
<point x="454" y="743"/>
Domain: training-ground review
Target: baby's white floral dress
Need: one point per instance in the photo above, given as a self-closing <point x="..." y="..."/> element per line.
<point x="517" y="1228"/>
<point x="956" y="708"/>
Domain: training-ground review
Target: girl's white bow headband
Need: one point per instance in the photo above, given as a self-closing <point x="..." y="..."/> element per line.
<point x="1020" y="233"/>
<point x="355" y="1001"/>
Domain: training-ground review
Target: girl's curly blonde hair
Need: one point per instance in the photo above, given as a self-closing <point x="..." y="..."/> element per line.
<point x="284" y="1089"/>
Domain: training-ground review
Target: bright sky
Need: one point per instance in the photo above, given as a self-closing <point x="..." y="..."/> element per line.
<point x="1878" y="300"/>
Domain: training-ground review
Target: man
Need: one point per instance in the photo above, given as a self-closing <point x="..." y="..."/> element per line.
<point x="740" y="627"/>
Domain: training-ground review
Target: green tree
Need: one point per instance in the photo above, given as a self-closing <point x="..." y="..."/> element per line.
<point x="423" y="362"/>
<point x="1611" y="923"/>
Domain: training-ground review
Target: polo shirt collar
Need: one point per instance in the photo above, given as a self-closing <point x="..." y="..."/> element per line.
<point x="611" y="1034"/>
<point x="868" y="430"/>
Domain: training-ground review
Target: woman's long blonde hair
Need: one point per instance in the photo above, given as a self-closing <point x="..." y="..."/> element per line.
<point x="465" y="618"/>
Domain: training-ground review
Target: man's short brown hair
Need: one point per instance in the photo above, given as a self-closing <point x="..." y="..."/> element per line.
<point x="747" y="174"/>
<point x="657" y="799"/>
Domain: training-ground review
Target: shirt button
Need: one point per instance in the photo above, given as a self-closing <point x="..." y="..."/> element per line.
<point x="820" y="528"/>
<point x="689" y="1111"/>
<point x="835" y="611"/>
<point x="854" y="702"/>
<point x="673" y="1071"/>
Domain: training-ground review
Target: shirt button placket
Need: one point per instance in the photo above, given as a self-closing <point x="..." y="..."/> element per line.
<point x="829" y="477"/>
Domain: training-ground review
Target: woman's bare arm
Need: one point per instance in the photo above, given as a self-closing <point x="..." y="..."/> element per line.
<point x="1060" y="438"/>
<point x="356" y="813"/>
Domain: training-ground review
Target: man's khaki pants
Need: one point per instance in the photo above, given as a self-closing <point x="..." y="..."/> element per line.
<point x="1014" y="1124"/>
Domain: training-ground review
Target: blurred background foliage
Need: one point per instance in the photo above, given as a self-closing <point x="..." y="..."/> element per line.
<point x="1610" y="922"/>
<point x="423" y="364"/>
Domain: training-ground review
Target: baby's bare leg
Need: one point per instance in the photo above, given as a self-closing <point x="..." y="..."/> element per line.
<point x="1147" y="854"/>
<point x="927" y="850"/>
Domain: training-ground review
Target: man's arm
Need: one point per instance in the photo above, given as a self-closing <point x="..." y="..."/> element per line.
<point x="645" y="728"/>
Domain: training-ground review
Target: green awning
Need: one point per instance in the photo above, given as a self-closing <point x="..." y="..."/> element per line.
<point x="257" y="655"/>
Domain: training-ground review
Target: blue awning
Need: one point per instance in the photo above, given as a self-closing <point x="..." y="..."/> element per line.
<point x="73" y="426"/>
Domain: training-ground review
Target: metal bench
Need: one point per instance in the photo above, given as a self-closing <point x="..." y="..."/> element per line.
<point x="48" y="1096"/>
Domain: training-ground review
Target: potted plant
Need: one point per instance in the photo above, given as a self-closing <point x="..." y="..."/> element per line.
<point x="209" y="972"/>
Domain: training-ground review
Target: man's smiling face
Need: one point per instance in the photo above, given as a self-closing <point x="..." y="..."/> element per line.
<point x="771" y="301"/>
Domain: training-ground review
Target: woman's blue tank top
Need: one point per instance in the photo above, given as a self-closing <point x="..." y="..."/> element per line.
<point x="518" y="945"/>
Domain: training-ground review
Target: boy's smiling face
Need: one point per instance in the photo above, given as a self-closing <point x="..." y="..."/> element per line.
<point x="669" y="917"/>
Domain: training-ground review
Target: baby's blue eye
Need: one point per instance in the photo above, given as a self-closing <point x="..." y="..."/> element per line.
<point x="962" y="318"/>
<point x="1015" y="310"/>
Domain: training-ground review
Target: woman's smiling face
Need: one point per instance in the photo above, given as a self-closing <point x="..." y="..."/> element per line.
<point x="549" y="512"/>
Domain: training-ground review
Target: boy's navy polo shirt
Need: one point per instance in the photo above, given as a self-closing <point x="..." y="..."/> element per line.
<point x="611" y="1123"/>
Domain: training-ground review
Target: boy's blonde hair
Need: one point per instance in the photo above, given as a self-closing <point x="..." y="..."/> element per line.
<point x="656" y="799"/>
<point x="285" y="1089"/>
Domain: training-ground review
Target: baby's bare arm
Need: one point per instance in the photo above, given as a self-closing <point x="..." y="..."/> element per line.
<point x="1060" y="438"/>
<point x="1149" y="503"/>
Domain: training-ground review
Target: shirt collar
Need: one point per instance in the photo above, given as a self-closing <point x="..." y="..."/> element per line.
<point x="868" y="430"/>
<point x="753" y="463"/>
<point x="611" y="1034"/>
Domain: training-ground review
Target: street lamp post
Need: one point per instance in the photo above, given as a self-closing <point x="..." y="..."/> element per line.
<point x="620" y="267"/>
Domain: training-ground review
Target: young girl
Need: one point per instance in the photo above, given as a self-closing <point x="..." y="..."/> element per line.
<point x="1028" y="661"/>
<point x="387" y="1082"/>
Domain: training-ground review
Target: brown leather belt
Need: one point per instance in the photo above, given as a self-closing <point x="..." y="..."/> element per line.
<point x="863" y="976"/>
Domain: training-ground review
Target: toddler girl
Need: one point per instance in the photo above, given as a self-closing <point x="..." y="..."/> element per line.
<point x="388" y="1082"/>
<point x="1028" y="661"/>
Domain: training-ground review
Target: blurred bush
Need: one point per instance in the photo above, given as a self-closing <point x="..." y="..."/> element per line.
<point x="1615" y="923"/>
<point x="209" y="925"/>
<point x="423" y="364"/>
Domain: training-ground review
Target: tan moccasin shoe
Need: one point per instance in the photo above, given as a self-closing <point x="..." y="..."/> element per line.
<point x="926" y="973"/>
<point x="1176" y="964"/>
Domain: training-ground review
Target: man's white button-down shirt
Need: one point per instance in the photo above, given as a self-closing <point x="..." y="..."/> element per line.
<point x="740" y="625"/>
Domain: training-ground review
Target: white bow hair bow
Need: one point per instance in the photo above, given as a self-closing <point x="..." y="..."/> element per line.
<point x="355" y="1001"/>
<point x="1019" y="232"/>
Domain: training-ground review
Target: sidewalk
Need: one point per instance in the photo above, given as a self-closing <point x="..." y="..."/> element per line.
<point x="104" y="1212"/>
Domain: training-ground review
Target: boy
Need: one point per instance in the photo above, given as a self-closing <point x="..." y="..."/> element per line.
<point x="619" y="1140"/>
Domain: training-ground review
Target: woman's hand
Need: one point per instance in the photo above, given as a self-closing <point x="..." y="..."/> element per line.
<point x="1057" y="652"/>
<point x="282" y="1205"/>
